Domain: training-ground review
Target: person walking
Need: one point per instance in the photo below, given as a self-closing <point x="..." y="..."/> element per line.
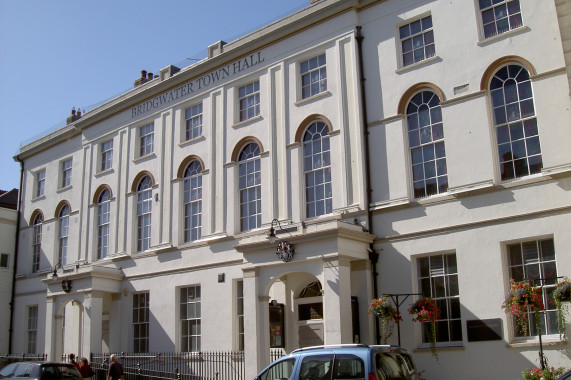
<point x="85" y="369"/>
<point x="115" y="369"/>
<point x="72" y="361"/>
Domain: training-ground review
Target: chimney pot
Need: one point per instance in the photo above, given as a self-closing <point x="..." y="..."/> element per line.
<point x="150" y="76"/>
<point x="143" y="73"/>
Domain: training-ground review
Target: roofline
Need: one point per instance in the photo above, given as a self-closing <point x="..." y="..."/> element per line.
<point x="276" y="31"/>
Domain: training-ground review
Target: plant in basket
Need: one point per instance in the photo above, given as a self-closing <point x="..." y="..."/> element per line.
<point x="521" y="298"/>
<point x="426" y="310"/>
<point x="561" y="293"/>
<point x="385" y="311"/>
<point x="549" y="373"/>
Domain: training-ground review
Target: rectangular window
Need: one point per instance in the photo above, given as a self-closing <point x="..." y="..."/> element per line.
<point x="193" y="117"/>
<point x="500" y="16"/>
<point x="249" y="100"/>
<point x="141" y="322"/>
<point x="32" y="329"/>
<point x="40" y="182"/>
<point x="240" y="315"/>
<point x="438" y="279"/>
<point x="106" y="155"/>
<point x="190" y="326"/>
<point x="534" y="261"/>
<point x="4" y="260"/>
<point x="417" y="41"/>
<point x="313" y="76"/>
<point x="66" y="173"/>
<point x="146" y="139"/>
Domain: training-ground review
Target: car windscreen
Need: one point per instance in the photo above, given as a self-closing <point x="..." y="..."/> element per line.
<point x="59" y="371"/>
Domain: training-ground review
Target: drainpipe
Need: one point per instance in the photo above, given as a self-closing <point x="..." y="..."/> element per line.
<point x="16" y="247"/>
<point x="373" y="255"/>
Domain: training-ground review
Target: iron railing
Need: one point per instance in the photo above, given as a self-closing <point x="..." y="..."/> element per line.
<point x="174" y="366"/>
<point x="6" y="359"/>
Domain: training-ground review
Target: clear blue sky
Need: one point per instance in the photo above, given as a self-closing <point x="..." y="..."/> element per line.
<point x="59" y="54"/>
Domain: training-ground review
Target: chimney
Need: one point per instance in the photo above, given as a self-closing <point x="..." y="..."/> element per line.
<point x="142" y="79"/>
<point x="74" y="116"/>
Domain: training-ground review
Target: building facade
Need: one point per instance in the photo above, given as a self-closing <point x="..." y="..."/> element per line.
<point x="260" y="198"/>
<point x="8" y="231"/>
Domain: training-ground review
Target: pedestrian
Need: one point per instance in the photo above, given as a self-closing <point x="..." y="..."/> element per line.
<point x="115" y="369"/>
<point x="85" y="369"/>
<point x="72" y="361"/>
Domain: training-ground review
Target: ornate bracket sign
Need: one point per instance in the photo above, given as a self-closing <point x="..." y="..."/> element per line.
<point x="66" y="285"/>
<point x="285" y="251"/>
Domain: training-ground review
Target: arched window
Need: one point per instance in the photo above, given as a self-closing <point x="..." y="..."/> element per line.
<point x="317" y="170"/>
<point x="144" y="205"/>
<point x="192" y="201"/>
<point x="519" y="151"/>
<point x="426" y="145"/>
<point x="250" y="185"/>
<point x="103" y="211"/>
<point x="63" y="234"/>
<point x="37" y="242"/>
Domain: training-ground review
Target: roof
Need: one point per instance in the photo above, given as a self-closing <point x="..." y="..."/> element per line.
<point x="9" y="199"/>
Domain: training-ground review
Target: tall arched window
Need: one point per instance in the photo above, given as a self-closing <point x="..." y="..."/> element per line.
<point x="317" y="170"/>
<point x="144" y="205"/>
<point x="63" y="234"/>
<point x="37" y="242"/>
<point x="519" y="151"/>
<point x="250" y="185"/>
<point x="426" y="145"/>
<point x="103" y="211"/>
<point x="192" y="201"/>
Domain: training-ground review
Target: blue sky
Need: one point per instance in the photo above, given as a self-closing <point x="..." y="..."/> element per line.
<point x="59" y="54"/>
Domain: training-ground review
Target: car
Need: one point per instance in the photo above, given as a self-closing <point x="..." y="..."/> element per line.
<point x="40" y="371"/>
<point x="342" y="362"/>
<point x="565" y="376"/>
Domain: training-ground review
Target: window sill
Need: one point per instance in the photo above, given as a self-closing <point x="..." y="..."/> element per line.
<point x="322" y="94"/>
<point x="413" y="66"/>
<point x="63" y="189"/>
<point x="145" y="158"/>
<point x="191" y="141"/>
<point x="546" y="341"/>
<point x="36" y="199"/>
<point x="459" y="346"/>
<point x="104" y="172"/>
<point x="509" y="33"/>
<point x="247" y="121"/>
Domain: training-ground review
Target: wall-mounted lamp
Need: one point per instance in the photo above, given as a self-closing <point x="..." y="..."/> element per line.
<point x="156" y="197"/>
<point x="56" y="267"/>
<point x="272" y="234"/>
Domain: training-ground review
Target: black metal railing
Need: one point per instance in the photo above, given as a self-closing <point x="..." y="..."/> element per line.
<point x="6" y="359"/>
<point x="174" y="366"/>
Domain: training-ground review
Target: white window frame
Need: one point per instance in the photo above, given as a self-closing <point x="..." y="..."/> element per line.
<point x="308" y="69"/>
<point x="192" y="200"/>
<point x="250" y="187"/>
<point x="106" y="156"/>
<point x="451" y="293"/>
<point x="144" y="207"/>
<point x="37" y="242"/>
<point x="251" y="92"/>
<point x="192" y="319"/>
<point x="239" y="316"/>
<point x="320" y="170"/>
<point x="40" y="183"/>
<point x="146" y="139"/>
<point x="425" y="33"/>
<point x="193" y="120"/>
<point x="513" y="23"/>
<point x="63" y="234"/>
<point x="65" y="173"/>
<point x="103" y="224"/>
<point x="140" y="322"/>
<point x="32" y="329"/>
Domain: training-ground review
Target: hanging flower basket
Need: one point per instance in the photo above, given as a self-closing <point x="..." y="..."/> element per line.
<point x="426" y="310"/>
<point x="561" y="293"/>
<point x="549" y="373"/>
<point x="522" y="298"/>
<point x="385" y="311"/>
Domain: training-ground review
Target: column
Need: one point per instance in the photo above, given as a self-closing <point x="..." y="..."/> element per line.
<point x="337" y="301"/>
<point x="256" y="329"/>
<point x="92" y="323"/>
<point x="50" y="338"/>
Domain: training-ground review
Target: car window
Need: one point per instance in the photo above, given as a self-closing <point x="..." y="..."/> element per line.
<point x="23" y="370"/>
<point x="8" y="370"/>
<point x="316" y="367"/>
<point x="389" y="368"/>
<point x="348" y="367"/>
<point x="279" y="371"/>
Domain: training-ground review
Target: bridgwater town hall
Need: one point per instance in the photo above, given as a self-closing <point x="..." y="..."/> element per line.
<point x="260" y="198"/>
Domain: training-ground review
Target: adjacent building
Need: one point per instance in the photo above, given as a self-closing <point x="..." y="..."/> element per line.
<point x="261" y="197"/>
<point x="8" y="231"/>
